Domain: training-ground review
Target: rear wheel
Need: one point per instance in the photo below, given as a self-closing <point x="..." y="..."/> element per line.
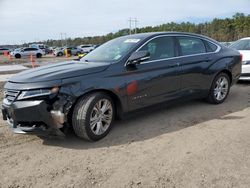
<point x="219" y="89"/>
<point x="93" y="116"/>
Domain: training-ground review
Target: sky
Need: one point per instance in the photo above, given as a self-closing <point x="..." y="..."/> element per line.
<point x="35" y="20"/>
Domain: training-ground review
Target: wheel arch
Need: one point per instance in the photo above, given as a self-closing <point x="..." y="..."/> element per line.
<point x="226" y="71"/>
<point x="229" y="73"/>
<point x="117" y="102"/>
<point x="39" y="55"/>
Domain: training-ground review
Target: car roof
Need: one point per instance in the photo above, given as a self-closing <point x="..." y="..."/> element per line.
<point x="30" y="47"/>
<point x="246" y="38"/>
<point x="154" y="34"/>
<point x="163" y="33"/>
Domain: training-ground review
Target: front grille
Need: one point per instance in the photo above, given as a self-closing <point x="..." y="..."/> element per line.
<point x="11" y="95"/>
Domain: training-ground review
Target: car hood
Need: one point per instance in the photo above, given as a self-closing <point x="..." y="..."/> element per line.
<point x="58" y="71"/>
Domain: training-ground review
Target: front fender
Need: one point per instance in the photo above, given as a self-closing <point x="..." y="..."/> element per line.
<point x="76" y="88"/>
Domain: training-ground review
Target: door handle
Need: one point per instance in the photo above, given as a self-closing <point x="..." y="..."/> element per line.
<point x="208" y="59"/>
<point x="174" y="65"/>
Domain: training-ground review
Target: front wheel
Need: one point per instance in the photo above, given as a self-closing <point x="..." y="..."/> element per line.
<point x="18" y="56"/>
<point x="38" y="55"/>
<point x="93" y="116"/>
<point x="60" y="54"/>
<point x="220" y="89"/>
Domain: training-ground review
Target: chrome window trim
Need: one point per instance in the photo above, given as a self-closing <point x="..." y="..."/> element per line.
<point x="177" y="57"/>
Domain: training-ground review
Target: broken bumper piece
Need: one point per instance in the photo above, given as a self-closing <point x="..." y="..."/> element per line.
<point x="33" y="117"/>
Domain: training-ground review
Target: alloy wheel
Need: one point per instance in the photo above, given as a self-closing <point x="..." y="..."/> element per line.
<point x="101" y="116"/>
<point x="221" y="88"/>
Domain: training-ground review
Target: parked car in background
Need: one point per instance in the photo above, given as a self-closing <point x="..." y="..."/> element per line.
<point x="4" y="50"/>
<point x="243" y="46"/>
<point x="43" y="47"/>
<point x="120" y="76"/>
<point x="86" y="48"/>
<point x="24" y="52"/>
<point x="74" y="50"/>
<point x="61" y="51"/>
<point x="227" y="43"/>
<point x="58" y="51"/>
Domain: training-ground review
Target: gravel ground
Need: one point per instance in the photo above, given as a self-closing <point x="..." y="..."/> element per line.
<point x="48" y="58"/>
<point x="188" y="144"/>
<point x="1" y="91"/>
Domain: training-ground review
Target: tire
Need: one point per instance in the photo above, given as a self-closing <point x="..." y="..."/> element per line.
<point x="18" y="56"/>
<point x="60" y="54"/>
<point x="38" y="55"/>
<point x="87" y="108"/>
<point x="220" y="89"/>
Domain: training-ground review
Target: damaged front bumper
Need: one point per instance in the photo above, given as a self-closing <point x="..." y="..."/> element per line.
<point x="33" y="117"/>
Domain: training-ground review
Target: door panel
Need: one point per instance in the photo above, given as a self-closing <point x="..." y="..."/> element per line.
<point x="151" y="83"/>
<point x="192" y="71"/>
<point x="157" y="79"/>
<point x="194" y="61"/>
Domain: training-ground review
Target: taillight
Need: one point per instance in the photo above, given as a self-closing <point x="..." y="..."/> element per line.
<point x="241" y="57"/>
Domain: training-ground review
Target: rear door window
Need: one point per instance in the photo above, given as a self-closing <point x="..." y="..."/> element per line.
<point x="191" y="45"/>
<point x="27" y="49"/>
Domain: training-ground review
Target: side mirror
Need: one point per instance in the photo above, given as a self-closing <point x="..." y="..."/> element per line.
<point x="138" y="57"/>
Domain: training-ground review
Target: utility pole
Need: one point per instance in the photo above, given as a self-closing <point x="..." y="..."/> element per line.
<point x="134" y="22"/>
<point x="66" y="41"/>
<point x="130" y="26"/>
<point x="61" y="39"/>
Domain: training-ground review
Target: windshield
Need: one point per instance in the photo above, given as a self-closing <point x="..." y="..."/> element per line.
<point x="113" y="50"/>
<point x="241" y="45"/>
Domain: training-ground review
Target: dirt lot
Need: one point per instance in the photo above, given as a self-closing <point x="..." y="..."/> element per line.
<point x="189" y="144"/>
<point x="1" y="91"/>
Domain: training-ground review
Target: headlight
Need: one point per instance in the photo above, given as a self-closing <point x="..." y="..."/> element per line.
<point x="245" y="62"/>
<point x="37" y="93"/>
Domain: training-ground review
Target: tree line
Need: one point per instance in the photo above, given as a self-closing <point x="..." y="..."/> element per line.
<point x="224" y="30"/>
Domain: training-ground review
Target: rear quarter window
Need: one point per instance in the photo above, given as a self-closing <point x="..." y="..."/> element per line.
<point x="210" y="46"/>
